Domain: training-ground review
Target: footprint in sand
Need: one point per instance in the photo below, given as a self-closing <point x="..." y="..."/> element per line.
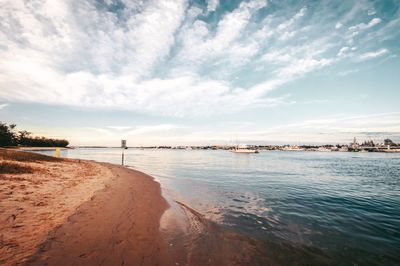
<point x="11" y="218"/>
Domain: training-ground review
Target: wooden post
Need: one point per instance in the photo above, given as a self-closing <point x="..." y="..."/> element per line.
<point x="123" y="147"/>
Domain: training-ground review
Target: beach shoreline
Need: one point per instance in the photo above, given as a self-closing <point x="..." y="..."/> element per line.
<point x="68" y="211"/>
<point x="42" y="195"/>
<point x="118" y="225"/>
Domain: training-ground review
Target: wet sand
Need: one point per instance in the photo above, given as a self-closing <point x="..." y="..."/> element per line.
<point x="120" y="225"/>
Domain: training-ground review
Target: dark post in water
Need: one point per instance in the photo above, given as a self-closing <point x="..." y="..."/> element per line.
<point x="123" y="146"/>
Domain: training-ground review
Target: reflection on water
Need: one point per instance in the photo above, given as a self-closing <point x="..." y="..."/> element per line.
<point x="345" y="205"/>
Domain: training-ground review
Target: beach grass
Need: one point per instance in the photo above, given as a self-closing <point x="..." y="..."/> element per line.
<point x="20" y="156"/>
<point x="14" y="168"/>
<point x="17" y="162"/>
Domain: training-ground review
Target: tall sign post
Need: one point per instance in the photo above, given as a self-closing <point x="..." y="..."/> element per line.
<point x="123" y="147"/>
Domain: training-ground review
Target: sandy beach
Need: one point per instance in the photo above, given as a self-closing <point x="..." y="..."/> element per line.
<point x="63" y="212"/>
<point x="37" y="194"/>
<point x="117" y="226"/>
<point x="75" y="212"/>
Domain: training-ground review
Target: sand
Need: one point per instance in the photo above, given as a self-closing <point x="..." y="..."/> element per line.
<point x="118" y="226"/>
<point x="33" y="204"/>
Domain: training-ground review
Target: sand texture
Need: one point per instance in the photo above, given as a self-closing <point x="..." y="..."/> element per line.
<point x="38" y="196"/>
<point x="118" y="226"/>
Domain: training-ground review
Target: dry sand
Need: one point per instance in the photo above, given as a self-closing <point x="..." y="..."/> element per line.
<point x="33" y="204"/>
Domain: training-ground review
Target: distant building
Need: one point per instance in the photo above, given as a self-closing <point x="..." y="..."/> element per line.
<point x="344" y="148"/>
<point x="354" y="145"/>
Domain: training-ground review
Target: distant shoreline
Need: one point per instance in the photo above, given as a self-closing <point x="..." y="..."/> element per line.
<point x="42" y="148"/>
<point x="305" y="148"/>
<point x="228" y="148"/>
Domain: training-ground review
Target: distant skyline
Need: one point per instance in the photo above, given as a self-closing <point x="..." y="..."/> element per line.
<point x="201" y="72"/>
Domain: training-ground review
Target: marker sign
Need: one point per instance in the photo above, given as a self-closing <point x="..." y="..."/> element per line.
<point x="123" y="143"/>
<point x="123" y="146"/>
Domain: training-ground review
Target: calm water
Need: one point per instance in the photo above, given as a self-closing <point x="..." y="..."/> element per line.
<point x="343" y="205"/>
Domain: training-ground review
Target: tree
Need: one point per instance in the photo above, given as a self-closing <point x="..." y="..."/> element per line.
<point x="7" y="135"/>
<point x="23" y="137"/>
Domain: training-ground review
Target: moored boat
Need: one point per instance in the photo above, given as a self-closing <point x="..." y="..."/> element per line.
<point x="244" y="149"/>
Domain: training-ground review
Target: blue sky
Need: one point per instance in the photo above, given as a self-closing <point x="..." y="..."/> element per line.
<point x="201" y="72"/>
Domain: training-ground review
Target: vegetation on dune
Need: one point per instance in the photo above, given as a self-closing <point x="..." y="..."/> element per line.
<point x="14" y="168"/>
<point x="17" y="162"/>
<point x="10" y="137"/>
<point x="21" y="156"/>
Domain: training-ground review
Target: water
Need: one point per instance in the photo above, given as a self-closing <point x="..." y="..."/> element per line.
<point x="345" y="206"/>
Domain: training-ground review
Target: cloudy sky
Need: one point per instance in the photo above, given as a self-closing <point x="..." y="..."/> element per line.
<point x="201" y="72"/>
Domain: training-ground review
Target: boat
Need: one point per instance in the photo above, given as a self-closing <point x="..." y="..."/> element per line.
<point x="292" y="148"/>
<point x="323" y="149"/>
<point x="244" y="149"/>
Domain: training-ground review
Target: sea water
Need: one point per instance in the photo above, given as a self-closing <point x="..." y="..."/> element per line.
<point x="340" y="205"/>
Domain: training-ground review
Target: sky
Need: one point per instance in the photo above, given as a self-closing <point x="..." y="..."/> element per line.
<point x="201" y="72"/>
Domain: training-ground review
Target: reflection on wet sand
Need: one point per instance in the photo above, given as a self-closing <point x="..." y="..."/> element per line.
<point x="205" y="242"/>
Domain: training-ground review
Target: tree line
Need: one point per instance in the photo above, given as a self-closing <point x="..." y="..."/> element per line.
<point x="9" y="136"/>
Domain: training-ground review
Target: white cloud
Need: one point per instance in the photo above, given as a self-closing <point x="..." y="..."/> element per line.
<point x="161" y="57"/>
<point x="137" y="135"/>
<point x="325" y="129"/>
<point x="141" y="130"/>
<point x="151" y="34"/>
<point x="3" y="105"/>
<point x="330" y="129"/>
<point x="352" y="123"/>
<point x="201" y="45"/>
<point x="132" y="131"/>
<point x="303" y="66"/>
<point x="373" y="22"/>
<point x="343" y="50"/>
<point x="374" y="54"/>
<point x="338" y="25"/>
<point x="289" y="23"/>
<point x="277" y="57"/>
<point x="119" y="128"/>
<point x="212" y="5"/>
<point x="363" y="26"/>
